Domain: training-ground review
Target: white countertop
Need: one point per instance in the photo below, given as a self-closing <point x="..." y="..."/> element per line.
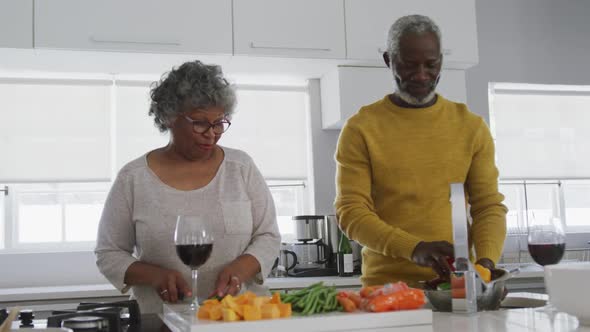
<point x="107" y="290"/>
<point x="539" y="319"/>
<point x="529" y="319"/>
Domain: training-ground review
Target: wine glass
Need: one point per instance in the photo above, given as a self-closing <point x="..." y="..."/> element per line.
<point x="194" y="242"/>
<point x="546" y="239"/>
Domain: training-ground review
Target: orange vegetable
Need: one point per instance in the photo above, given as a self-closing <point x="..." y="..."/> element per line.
<point x="484" y="273"/>
<point x="211" y="301"/>
<point x="411" y="298"/>
<point x="285" y="310"/>
<point x="346" y="303"/>
<point x="215" y="313"/>
<point x="367" y="291"/>
<point x="229" y="315"/>
<point x="252" y="312"/>
<point x="270" y="311"/>
<point x="458" y="287"/>
<point x="276" y="298"/>
<point x="203" y="312"/>
<point x="458" y="293"/>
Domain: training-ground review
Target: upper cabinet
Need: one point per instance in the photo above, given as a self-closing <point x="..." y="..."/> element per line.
<point x="302" y="28"/>
<point x="16" y="23"/>
<point x="368" y="22"/>
<point x="172" y="26"/>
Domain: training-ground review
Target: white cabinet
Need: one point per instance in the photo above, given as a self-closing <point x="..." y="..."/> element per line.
<point x="16" y="23"/>
<point x="368" y="22"/>
<point x="346" y="89"/>
<point x="171" y="26"/>
<point x="287" y="28"/>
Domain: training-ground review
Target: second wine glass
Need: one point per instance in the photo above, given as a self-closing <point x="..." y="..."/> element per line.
<point x="194" y="243"/>
<point x="546" y="240"/>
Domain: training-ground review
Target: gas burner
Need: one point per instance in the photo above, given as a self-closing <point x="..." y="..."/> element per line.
<point x="99" y="317"/>
<point x="87" y="324"/>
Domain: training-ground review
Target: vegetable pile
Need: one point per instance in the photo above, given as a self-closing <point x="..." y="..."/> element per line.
<point x="247" y="306"/>
<point x="390" y="297"/>
<point x="313" y="299"/>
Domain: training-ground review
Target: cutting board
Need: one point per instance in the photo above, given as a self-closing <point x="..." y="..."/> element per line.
<point x="410" y="320"/>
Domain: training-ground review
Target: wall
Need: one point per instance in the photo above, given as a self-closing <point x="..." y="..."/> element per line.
<point x="525" y="41"/>
<point x="529" y="41"/>
<point x="323" y="148"/>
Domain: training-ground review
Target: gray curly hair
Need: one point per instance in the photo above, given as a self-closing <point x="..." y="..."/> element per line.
<point x="410" y="24"/>
<point x="193" y="84"/>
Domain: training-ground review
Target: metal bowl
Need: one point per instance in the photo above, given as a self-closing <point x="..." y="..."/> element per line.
<point x="489" y="298"/>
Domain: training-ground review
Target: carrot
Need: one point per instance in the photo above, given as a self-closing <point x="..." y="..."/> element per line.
<point x="458" y="287"/>
<point x="346" y="303"/>
<point x="353" y="296"/>
<point x="368" y="290"/>
<point x="458" y="293"/>
<point x="407" y="299"/>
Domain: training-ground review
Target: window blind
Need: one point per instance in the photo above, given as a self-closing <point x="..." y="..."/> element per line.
<point x="541" y="132"/>
<point x="54" y="130"/>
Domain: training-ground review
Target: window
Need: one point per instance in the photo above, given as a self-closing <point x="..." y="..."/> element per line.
<point x="57" y="216"/>
<point x="542" y="136"/>
<point x="85" y="130"/>
<point x="289" y="198"/>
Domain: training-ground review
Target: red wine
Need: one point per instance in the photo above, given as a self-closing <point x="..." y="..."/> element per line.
<point x="547" y="253"/>
<point x="194" y="255"/>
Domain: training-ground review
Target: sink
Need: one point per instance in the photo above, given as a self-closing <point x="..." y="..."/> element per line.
<point x="524" y="300"/>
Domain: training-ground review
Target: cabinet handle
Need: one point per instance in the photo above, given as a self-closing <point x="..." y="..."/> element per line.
<point x="252" y="45"/>
<point x="445" y="51"/>
<point x="114" y="41"/>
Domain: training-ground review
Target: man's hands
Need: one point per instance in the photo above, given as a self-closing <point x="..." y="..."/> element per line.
<point x="434" y="254"/>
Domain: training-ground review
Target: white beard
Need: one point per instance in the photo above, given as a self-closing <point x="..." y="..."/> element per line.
<point x="413" y="100"/>
<point x="408" y="98"/>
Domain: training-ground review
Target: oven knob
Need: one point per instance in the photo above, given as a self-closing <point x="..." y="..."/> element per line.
<point x="26" y="318"/>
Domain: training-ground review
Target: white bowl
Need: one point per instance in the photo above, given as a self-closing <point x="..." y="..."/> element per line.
<point x="568" y="289"/>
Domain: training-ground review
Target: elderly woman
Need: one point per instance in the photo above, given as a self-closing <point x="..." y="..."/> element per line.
<point x="192" y="175"/>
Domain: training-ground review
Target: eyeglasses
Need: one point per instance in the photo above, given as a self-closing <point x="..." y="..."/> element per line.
<point x="201" y="127"/>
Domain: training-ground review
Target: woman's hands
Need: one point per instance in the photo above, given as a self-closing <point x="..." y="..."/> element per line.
<point x="234" y="274"/>
<point x="169" y="284"/>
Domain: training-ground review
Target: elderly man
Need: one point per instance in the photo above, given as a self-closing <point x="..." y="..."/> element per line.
<point x="396" y="159"/>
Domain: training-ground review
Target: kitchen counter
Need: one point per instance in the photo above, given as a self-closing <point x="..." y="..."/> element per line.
<point x="513" y="320"/>
<point x="13" y="295"/>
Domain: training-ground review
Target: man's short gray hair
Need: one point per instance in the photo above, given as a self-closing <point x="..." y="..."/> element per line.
<point x="410" y="24"/>
<point x="193" y="85"/>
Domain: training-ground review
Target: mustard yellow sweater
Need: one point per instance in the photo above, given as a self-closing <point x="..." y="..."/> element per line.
<point x="394" y="170"/>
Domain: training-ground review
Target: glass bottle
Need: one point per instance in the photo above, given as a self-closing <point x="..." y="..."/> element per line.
<point x="345" y="263"/>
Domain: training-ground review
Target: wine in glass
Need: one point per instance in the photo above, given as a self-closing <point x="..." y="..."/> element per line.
<point x="546" y="240"/>
<point x="194" y="242"/>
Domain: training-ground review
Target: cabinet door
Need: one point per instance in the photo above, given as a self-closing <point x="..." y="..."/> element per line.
<point x="183" y="26"/>
<point x="16" y="23"/>
<point x="368" y="22"/>
<point x="302" y="28"/>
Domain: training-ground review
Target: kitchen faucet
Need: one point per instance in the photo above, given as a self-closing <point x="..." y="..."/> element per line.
<point x="463" y="268"/>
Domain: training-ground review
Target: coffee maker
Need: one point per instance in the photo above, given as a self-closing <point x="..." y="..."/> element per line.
<point x="309" y="255"/>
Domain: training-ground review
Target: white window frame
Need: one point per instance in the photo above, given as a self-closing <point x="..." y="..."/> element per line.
<point x="10" y="243"/>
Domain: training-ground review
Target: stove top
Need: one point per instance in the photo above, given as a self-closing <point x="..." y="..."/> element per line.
<point x="122" y="316"/>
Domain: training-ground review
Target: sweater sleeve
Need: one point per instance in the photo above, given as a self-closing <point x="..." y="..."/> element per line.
<point x="116" y="234"/>
<point x="354" y="204"/>
<point x="489" y="214"/>
<point x="266" y="238"/>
